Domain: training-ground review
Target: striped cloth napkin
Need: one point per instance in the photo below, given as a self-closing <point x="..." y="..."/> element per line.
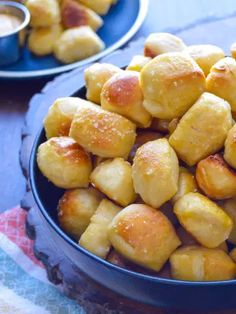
<point x="24" y="287"/>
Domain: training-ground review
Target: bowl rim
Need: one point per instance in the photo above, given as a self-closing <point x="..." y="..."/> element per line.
<point x="105" y="263"/>
<point x="21" y="8"/>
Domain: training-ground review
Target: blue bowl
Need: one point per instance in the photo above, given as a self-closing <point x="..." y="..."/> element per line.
<point x="158" y="292"/>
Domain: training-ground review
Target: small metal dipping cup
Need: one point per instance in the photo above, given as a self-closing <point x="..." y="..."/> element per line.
<point x="11" y="43"/>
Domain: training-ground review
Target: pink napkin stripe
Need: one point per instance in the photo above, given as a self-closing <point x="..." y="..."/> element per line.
<point x="12" y="225"/>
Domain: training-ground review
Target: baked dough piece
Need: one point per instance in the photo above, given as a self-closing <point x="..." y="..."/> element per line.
<point x="196" y="263"/>
<point x="143" y="235"/>
<point x="158" y="43"/>
<point x="205" y="55"/>
<point x="43" y="13"/>
<point x="75" y="209"/>
<point x="221" y="81"/>
<point x="230" y="147"/>
<point x="186" y="184"/>
<point x="205" y="220"/>
<point x="143" y="136"/>
<point x="122" y="94"/>
<point x="41" y="40"/>
<point x="103" y="133"/>
<point x="99" y="6"/>
<point x="114" y="179"/>
<point x="95" y="238"/>
<point x="74" y="14"/>
<point x="229" y="207"/>
<point x="155" y="172"/>
<point x="207" y="122"/>
<point x="187" y="239"/>
<point x="64" y="163"/>
<point x="76" y="44"/>
<point x="171" y="83"/>
<point x="215" y="178"/>
<point x="137" y="63"/>
<point x="96" y="75"/>
<point x="60" y="115"/>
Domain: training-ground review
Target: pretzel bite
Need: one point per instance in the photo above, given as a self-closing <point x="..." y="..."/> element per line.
<point x="171" y="83"/>
<point x="74" y="14"/>
<point x="143" y="136"/>
<point x="186" y="184"/>
<point x="137" y="63"/>
<point x="205" y="220"/>
<point x="221" y="81"/>
<point x="205" y="56"/>
<point x="64" y="163"/>
<point x="158" y="43"/>
<point x="114" y="179"/>
<point x="215" y="178"/>
<point x="196" y="263"/>
<point x="99" y="6"/>
<point x="202" y="130"/>
<point x="60" y="115"/>
<point x="75" y="209"/>
<point x="76" y="44"/>
<point x="187" y="239"/>
<point x="96" y="76"/>
<point x="230" y="147"/>
<point x="95" y="238"/>
<point x="122" y="94"/>
<point x="229" y="207"/>
<point x="43" y="13"/>
<point x="143" y="235"/>
<point x="41" y="40"/>
<point x="155" y="172"/>
<point x="103" y="133"/>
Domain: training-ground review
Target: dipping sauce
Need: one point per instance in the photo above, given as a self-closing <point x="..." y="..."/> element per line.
<point x="8" y="23"/>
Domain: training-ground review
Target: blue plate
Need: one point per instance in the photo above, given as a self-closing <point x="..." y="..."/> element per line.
<point x="120" y="24"/>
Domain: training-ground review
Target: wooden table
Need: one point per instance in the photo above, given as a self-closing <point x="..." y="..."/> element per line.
<point x="14" y="96"/>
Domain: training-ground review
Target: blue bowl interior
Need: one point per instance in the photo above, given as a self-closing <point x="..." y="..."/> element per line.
<point x="114" y="28"/>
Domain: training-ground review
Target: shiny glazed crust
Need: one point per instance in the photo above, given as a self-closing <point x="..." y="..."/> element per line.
<point x="143" y="235"/>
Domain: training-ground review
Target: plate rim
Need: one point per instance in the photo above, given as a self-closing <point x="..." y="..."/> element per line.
<point x="143" y="10"/>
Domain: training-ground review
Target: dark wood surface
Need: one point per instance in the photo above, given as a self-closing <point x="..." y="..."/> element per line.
<point x="15" y="95"/>
<point x="93" y="297"/>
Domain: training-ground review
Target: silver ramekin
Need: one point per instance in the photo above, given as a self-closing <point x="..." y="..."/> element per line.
<point x="11" y="44"/>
